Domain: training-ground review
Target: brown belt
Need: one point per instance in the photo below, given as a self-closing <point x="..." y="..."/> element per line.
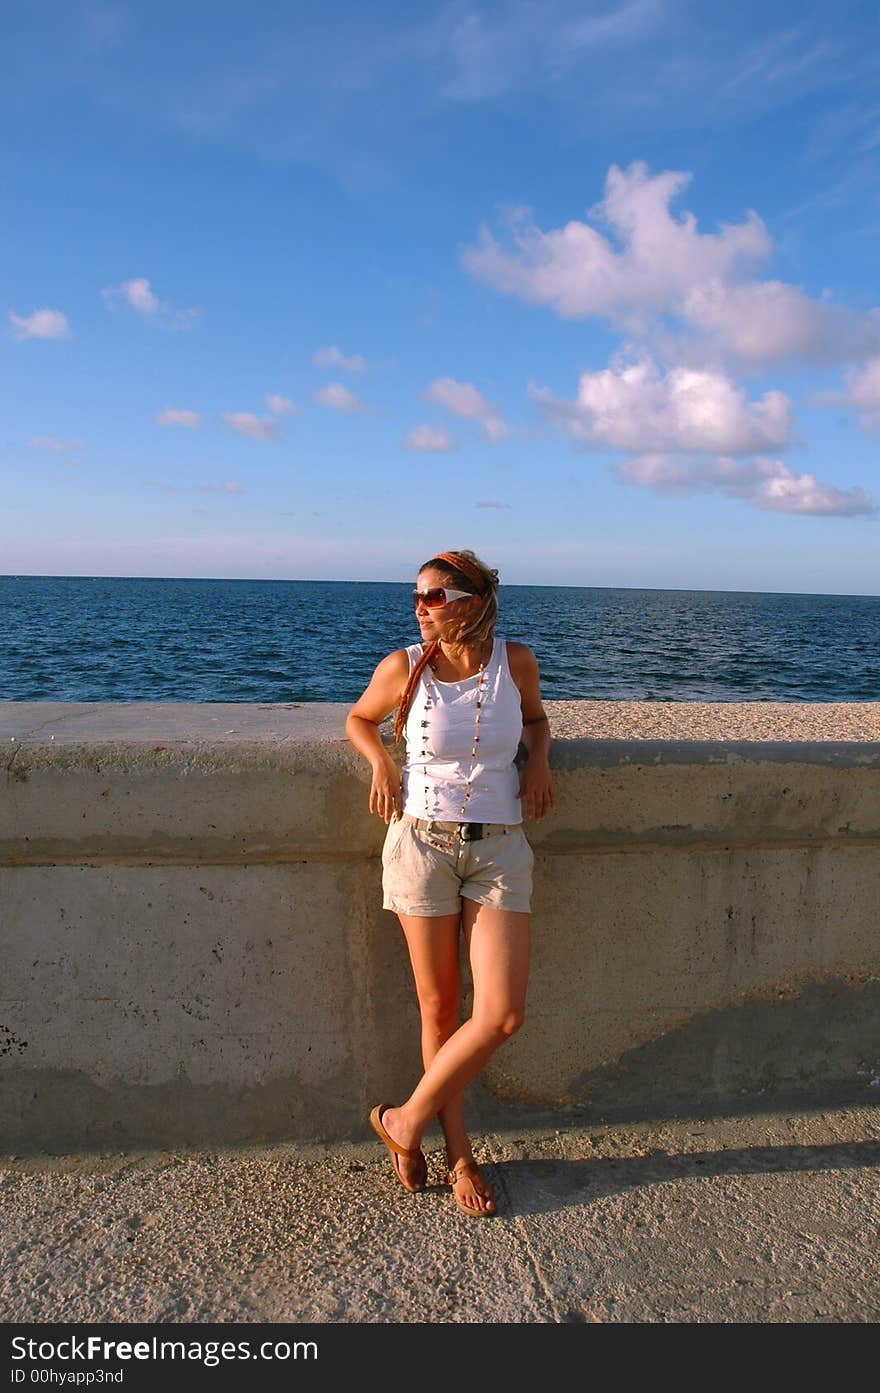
<point x="463" y="831"/>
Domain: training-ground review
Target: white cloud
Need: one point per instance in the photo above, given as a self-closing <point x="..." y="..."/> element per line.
<point x="51" y="442"/>
<point x="761" y="483"/>
<point x="278" y="405"/>
<point x="139" y="296"/>
<point x="667" y="474"/>
<point x="228" y="487"/>
<point x="333" y="357"/>
<point x="490" y="503"/>
<point x="577" y="271"/>
<point x="863" y="391"/>
<point x="428" y="438"/>
<point x="635" y="408"/>
<point x="179" y="416"/>
<point x="769" y="321"/>
<point x="339" y="398"/>
<point x="41" y="324"/>
<point x="464" y="400"/>
<point x="784" y="491"/>
<point x="254" y="427"/>
<point x="660" y="266"/>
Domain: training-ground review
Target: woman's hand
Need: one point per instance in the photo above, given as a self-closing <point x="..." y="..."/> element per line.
<point x="536" y="788"/>
<point x="385" y="793"/>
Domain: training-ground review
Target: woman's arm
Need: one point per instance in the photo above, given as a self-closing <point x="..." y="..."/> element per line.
<point x="381" y="697"/>
<point x="536" y="784"/>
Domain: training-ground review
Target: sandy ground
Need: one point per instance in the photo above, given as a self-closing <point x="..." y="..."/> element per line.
<point x="704" y="720"/>
<point x="219" y="723"/>
<point x="761" y="1218"/>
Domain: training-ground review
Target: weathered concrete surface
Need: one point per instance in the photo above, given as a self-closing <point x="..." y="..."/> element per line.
<point x="193" y="950"/>
<point x="756" y="1218"/>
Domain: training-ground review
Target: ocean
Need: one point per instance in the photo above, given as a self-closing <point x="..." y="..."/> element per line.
<point x="81" y="638"/>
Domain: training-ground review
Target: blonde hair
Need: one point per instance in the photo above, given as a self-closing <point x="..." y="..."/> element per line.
<point x="464" y="571"/>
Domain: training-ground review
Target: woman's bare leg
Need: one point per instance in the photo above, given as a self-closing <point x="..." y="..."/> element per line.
<point x="433" y="945"/>
<point x="498" y="942"/>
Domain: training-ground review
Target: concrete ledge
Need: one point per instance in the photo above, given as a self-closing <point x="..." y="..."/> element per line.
<point x="195" y="954"/>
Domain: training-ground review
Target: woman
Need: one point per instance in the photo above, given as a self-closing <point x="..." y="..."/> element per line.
<point x="455" y="858"/>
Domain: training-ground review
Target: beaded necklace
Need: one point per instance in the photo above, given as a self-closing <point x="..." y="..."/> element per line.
<point x="429" y="704"/>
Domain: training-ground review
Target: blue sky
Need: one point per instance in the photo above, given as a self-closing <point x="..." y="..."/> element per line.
<point x="315" y="292"/>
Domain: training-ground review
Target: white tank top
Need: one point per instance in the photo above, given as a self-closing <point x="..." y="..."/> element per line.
<point x="434" y="786"/>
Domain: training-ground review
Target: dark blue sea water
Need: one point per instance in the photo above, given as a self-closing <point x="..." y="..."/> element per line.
<point x="108" y="639"/>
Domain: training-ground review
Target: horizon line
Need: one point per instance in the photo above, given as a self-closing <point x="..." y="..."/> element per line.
<point x="504" y="585"/>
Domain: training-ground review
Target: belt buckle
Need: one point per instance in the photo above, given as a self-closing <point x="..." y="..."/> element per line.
<point x="433" y="829"/>
<point x="471" y="831"/>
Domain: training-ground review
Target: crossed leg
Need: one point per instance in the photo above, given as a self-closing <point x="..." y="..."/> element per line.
<point x="453" y="1053"/>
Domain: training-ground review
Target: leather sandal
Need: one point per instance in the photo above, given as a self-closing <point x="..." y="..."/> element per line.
<point x="411" y="1153"/>
<point x="452" y="1176"/>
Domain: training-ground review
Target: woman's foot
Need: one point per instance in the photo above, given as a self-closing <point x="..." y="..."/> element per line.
<point x="470" y="1190"/>
<point x="412" y="1170"/>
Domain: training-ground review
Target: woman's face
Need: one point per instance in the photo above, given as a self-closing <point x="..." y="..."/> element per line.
<point x="432" y="622"/>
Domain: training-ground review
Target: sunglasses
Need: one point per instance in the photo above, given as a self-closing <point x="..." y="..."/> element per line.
<point x="438" y="596"/>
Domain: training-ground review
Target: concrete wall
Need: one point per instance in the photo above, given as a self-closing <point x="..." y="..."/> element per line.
<point x="192" y="949"/>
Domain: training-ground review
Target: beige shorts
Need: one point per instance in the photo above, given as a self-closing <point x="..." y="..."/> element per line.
<point x="429" y="873"/>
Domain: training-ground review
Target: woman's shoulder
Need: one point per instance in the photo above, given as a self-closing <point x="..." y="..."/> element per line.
<point x="398" y="661"/>
<point x="392" y="671"/>
<point x="520" y="656"/>
<point x="386" y="685"/>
